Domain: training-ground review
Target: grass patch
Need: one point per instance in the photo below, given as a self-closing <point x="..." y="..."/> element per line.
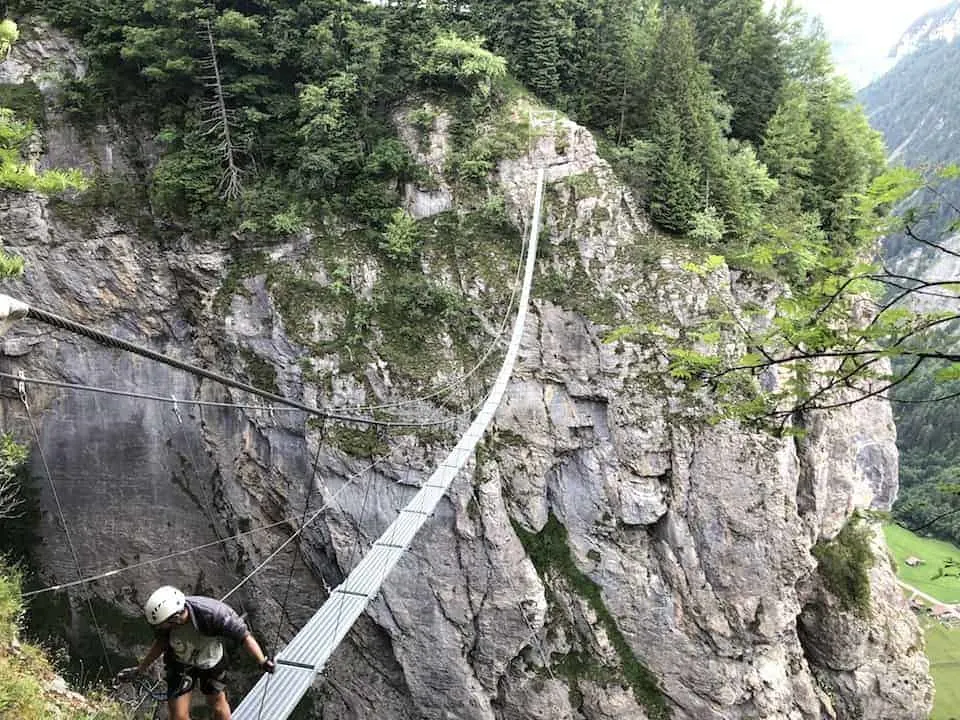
<point x="584" y="185"/>
<point x="26" y="100"/>
<point x="244" y="265"/>
<point x="943" y="650"/>
<point x="25" y="672"/>
<point x="934" y="554"/>
<point x="261" y="373"/>
<point x="572" y="288"/>
<point x="942" y="642"/>
<point x="549" y="550"/>
<point x="365" y="443"/>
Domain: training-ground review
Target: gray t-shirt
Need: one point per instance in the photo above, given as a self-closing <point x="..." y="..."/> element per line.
<point x="197" y="641"/>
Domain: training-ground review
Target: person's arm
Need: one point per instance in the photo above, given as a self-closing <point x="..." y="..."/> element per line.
<point x="251" y="645"/>
<point x="155" y="651"/>
<point x="215" y="617"/>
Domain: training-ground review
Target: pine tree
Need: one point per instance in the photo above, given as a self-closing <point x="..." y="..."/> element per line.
<point x="533" y="51"/>
<point x="681" y="123"/>
<point x="741" y="44"/>
<point x="674" y="178"/>
<point x="789" y="142"/>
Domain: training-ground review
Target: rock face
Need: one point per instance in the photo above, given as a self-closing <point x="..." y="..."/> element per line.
<point x="609" y="556"/>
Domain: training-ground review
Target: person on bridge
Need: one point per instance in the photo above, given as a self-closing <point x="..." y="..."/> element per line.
<point x="188" y="632"/>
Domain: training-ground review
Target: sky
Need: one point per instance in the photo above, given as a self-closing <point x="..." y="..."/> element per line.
<point x="862" y="32"/>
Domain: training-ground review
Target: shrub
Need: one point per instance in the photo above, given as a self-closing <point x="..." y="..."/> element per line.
<point x="453" y="60"/>
<point x="402" y="236"/>
<point x="844" y="564"/>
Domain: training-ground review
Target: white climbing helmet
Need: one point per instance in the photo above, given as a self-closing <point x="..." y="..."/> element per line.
<point x="163" y="604"/>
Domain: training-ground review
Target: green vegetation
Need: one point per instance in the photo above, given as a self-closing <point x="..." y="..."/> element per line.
<point x="21" y="113"/>
<point x="920" y="86"/>
<point x="935" y="554"/>
<point x="25" y="672"/>
<point x="844" y="564"/>
<point x="549" y="550"/>
<point x="13" y="455"/>
<point x="260" y="372"/>
<point x="726" y="112"/>
<point x="942" y="641"/>
<point x="25" y="101"/>
<point x="727" y="118"/>
<point x="927" y="435"/>
<point x="360" y="442"/>
<point x="943" y="651"/>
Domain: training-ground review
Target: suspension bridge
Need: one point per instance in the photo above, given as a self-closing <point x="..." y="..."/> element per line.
<point x="305" y="656"/>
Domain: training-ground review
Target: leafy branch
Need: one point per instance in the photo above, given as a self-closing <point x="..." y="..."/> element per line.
<point x="830" y="341"/>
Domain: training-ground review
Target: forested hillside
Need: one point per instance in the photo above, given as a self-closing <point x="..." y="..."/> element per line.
<point x="915" y="106"/>
<point x="271" y="116"/>
<point x="266" y="154"/>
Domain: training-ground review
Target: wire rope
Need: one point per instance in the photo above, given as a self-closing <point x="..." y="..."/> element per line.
<point x="197" y="548"/>
<point x="110" y="341"/>
<point x="66" y="527"/>
<point x="207" y="403"/>
<point x="298" y="531"/>
<point x="293" y="560"/>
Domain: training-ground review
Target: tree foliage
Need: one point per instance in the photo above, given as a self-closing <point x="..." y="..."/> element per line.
<point x="853" y="330"/>
<point x="721" y="97"/>
<point x="13" y="455"/>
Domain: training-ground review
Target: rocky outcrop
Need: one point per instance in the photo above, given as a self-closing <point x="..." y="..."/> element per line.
<point x="609" y="555"/>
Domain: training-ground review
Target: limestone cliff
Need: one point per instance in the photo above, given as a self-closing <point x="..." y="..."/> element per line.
<point x="607" y="541"/>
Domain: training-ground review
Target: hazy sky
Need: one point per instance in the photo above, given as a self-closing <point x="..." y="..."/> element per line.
<point x="864" y="31"/>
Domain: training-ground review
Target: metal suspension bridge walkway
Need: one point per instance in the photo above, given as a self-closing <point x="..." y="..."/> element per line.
<point x="275" y="696"/>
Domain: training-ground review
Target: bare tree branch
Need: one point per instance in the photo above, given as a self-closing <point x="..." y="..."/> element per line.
<point x="10" y="500"/>
<point x="230" y="182"/>
<point x="909" y="232"/>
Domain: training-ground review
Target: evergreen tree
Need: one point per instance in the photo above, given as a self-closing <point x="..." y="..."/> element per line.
<point x="741" y="44"/>
<point x="674" y="178"/>
<point x="530" y="35"/>
<point x="681" y="122"/>
<point x="610" y="48"/>
<point x="849" y="155"/>
<point x="789" y="142"/>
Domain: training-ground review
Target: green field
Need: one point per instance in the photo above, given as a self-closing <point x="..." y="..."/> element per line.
<point x="943" y="649"/>
<point x="934" y="553"/>
<point x="943" y="644"/>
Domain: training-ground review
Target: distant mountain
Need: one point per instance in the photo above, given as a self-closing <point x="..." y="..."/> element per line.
<point x="942" y="24"/>
<point x="915" y="105"/>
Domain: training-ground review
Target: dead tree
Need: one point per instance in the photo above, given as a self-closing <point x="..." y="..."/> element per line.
<point x="217" y="120"/>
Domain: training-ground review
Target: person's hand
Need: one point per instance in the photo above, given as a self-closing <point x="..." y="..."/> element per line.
<point x="128" y="674"/>
<point x="268" y="666"/>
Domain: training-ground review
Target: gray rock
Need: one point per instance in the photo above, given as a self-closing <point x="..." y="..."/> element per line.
<point x="687" y="547"/>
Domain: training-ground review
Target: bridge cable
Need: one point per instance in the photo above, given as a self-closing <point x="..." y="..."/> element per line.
<point x="295" y="535"/>
<point x="63" y="521"/>
<point x="307" y="653"/>
<point x="63" y="323"/>
<point x="329" y="415"/>
<point x="187" y="551"/>
<point x="12" y="309"/>
<point x="104" y="574"/>
<point x="298" y="553"/>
